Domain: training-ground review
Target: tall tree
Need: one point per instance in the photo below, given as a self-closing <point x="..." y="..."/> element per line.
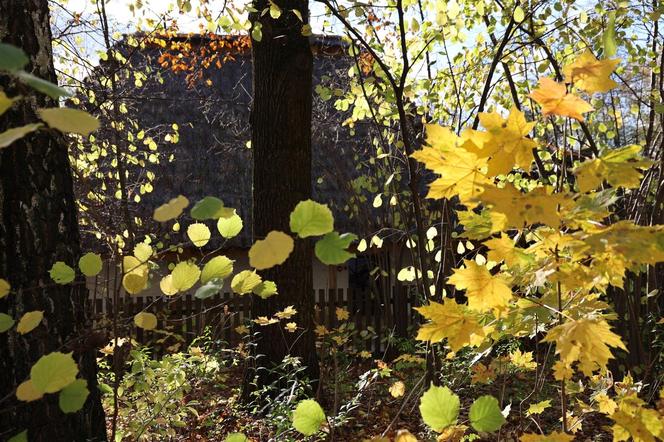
<point x="281" y="145"/>
<point x="38" y="227"/>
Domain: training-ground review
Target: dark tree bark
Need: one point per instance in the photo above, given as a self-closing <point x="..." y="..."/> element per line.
<point x="281" y="145"/>
<point x="38" y="227"/>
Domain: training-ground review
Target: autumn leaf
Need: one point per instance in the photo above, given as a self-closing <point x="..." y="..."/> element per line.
<point x="448" y="321"/>
<point x="506" y="143"/>
<point x="585" y="340"/>
<point x="554" y="99"/>
<point x="590" y="74"/>
<point x="540" y="205"/>
<point x="619" y="167"/>
<point x="504" y="249"/>
<point x="484" y="290"/>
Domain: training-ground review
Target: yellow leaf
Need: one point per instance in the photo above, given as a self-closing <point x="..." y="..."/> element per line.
<point x="69" y="120"/>
<point x="143" y="252"/>
<point x="166" y="286"/>
<point x="448" y="320"/>
<point x="199" y="234"/>
<point x="619" y="167"/>
<point x="503" y="249"/>
<point x="27" y="392"/>
<point x="506" y="142"/>
<point x="6" y="102"/>
<point x="554" y="99"/>
<point x="523" y="360"/>
<point x="4" y="288"/>
<point x="584" y="340"/>
<point x="271" y="251"/>
<point x="245" y="281"/>
<point x="171" y="209"/>
<point x="218" y="267"/>
<point x="453" y="433"/>
<point x="405" y="436"/>
<point x="484" y="291"/>
<point x="135" y="277"/>
<point x="590" y="74"/>
<point x="29" y="321"/>
<point x="397" y="389"/>
<point x="605" y="404"/>
<point x="538" y="407"/>
<point x="185" y="275"/>
<point x="145" y="320"/>
<point x="521" y="209"/>
<point x="553" y="437"/>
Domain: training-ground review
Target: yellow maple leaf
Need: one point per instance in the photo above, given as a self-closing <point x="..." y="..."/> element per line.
<point x="539" y="205"/>
<point x="590" y="74"/>
<point x="619" y="167"/>
<point x="461" y="172"/>
<point x="503" y="249"/>
<point x="484" y="290"/>
<point x="482" y="374"/>
<point x="523" y="360"/>
<point x="538" y="408"/>
<point x="586" y="340"/>
<point x="554" y="99"/>
<point x="553" y="437"/>
<point x="505" y="143"/>
<point x="448" y="320"/>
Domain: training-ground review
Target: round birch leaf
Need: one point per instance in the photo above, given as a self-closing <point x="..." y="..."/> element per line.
<point x="69" y="120"/>
<point x="29" y="321"/>
<point x="185" y="275"/>
<point x="308" y="417"/>
<point x="331" y="249"/>
<point x="166" y="286"/>
<point x="143" y="252"/>
<point x="265" y="289"/>
<point x="4" y="288"/>
<point x="199" y="234"/>
<point x="439" y="407"/>
<point x="171" y="210"/>
<point x="61" y="273"/>
<point x="73" y="396"/>
<point x="90" y="264"/>
<point x="245" y="281"/>
<point x="271" y="251"/>
<point x="6" y="322"/>
<point x="210" y="207"/>
<point x="53" y="372"/>
<point x="310" y="218"/>
<point x="218" y="267"/>
<point x="145" y="320"/>
<point x="209" y="289"/>
<point x="230" y="227"/>
<point x="485" y="414"/>
<point x="27" y="392"/>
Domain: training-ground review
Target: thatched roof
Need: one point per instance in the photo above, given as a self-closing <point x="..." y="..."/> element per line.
<point x="212" y="157"/>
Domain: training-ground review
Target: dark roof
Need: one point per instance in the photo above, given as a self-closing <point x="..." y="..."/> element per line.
<point x="212" y="157"/>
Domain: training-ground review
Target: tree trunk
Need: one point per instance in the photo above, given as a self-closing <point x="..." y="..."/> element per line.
<point x="281" y="145"/>
<point x="38" y="227"/>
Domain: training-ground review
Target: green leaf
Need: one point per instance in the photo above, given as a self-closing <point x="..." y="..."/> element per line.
<point x="90" y="264"/>
<point x="265" y="289"/>
<point x="308" y="417"/>
<point x="230" y="227"/>
<point x="23" y="435"/>
<point x="73" y="396"/>
<point x="609" y="36"/>
<point x="236" y="437"/>
<point x="331" y="249"/>
<point x="53" y="372"/>
<point x="45" y="87"/>
<point x="210" y="207"/>
<point x="209" y="289"/>
<point x="439" y="407"/>
<point x="12" y="58"/>
<point x="310" y="218"/>
<point x="69" y="120"/>
<point x="257" y="31"/>
<point x="61" y="273"/>
<point x="485" y="414"/>
<point x="218" y="267"/>
<point x="16" y="133"/>
<point x="6" y="322"/>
